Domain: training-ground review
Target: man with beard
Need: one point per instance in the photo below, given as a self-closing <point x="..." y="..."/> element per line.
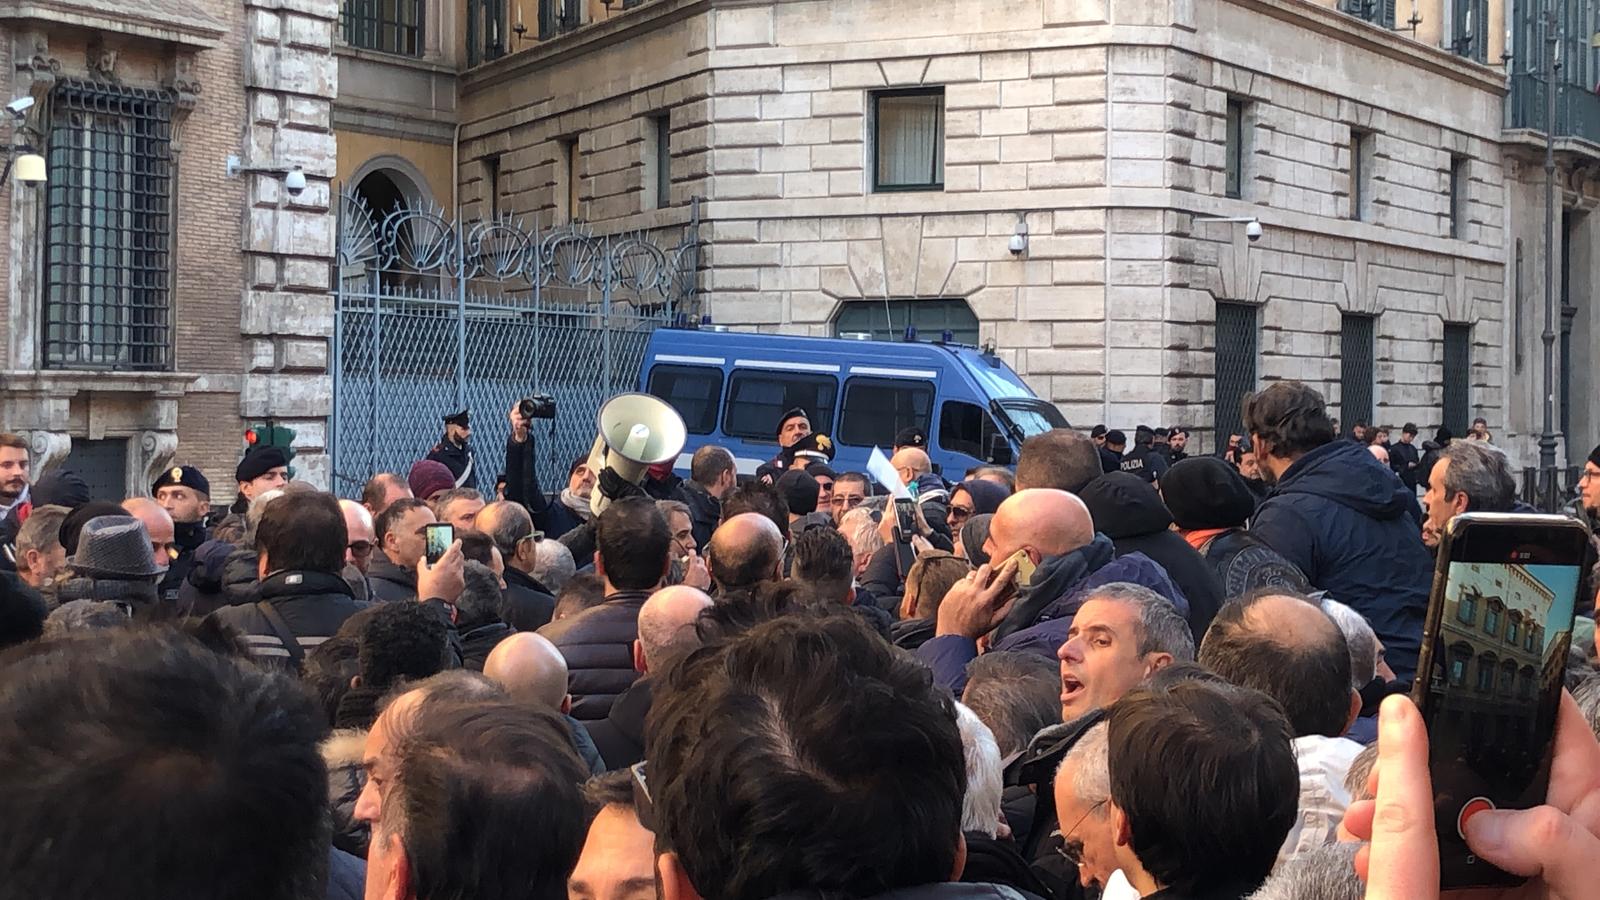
<point x="1341" y="517"/>
<point x="453" y="451"/>
<point x="185" y="493"/>
<point x="13" y="495"/>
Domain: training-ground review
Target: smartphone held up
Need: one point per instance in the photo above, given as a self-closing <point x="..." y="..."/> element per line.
<point x="1490" y="676"/>
<point x="439" y="537"/>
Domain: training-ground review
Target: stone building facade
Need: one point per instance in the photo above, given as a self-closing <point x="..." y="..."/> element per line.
<point x="1109" y="131"/>
<point x="155" y="305"/>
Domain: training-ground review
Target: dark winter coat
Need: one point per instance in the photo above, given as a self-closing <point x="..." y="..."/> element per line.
<point x="1406" y="463"/>
<point x="550" y="516"/>
<point x="1345" y="520"/>
<point x="477" y="642"/>
<point x="187" y="537"/>
<point x="459" y="460"/>
<point x="1143" y="460"/>
<point x="239" y="575"/>
<point x="342" y="753"/>
<point x="390" y="583"/>
<point x="663" y="488"/>
<point x="598" y="647"/>
<point x="527" y="606"/>
<point x="1110" y="460"/>
<point x="312" y="604"/>
<point x="1130" y="512"/>
<point x="201" y="592"/>
<point x="909" y="634"/>
<point x="705" y="511"/>
<point x="620" y="735"/>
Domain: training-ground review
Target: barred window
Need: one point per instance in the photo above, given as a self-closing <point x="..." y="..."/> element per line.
<point x="108" y="229"/>
<point x="1457" y="376"/>
<point x="390" y="26"/>
<point x="1237" y="332"/>
<point x="1357" y="350"/>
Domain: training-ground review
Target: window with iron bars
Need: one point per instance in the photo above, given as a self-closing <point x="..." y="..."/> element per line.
<point x="486" y="30"/>
<point x="1457" y="376"/>
<point x="108" y="229"/>
<point x="1357" y="349"/>
<point x="1378" y="12"/>
<point x="389" y="26"/>
<point x="559" y="17"/>
<point x="1237" y="332"/>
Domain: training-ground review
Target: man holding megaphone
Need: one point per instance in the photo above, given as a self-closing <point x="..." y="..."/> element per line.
<point x="634" y="432"/>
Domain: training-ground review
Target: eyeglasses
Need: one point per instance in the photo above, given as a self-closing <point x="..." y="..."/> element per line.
<point x="642" y="806"/>
<point x="1071" y="848"/>
<point x="848" y="501"/>
<point x="361" y="548"/>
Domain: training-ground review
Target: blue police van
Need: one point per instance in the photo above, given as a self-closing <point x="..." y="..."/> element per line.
<point x="731" y="388"/>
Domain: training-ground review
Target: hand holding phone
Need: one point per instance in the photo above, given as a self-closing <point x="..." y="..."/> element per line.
<point x="438" y="536"/>
<point x="977" y="603"/>
<point x="1489" y="679"/>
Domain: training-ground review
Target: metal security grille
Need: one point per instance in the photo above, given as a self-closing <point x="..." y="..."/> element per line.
<point x="1356" y="352"/>
<point x="1235" y="366"/>
<point x="390" y="26"/>
<point x="888" y="320"/>
<point x="1378" y="12"/>
<point x="436" y="315"/>
<point x="1457" y="376"/>
<point x="559" y="17"/>
<point x="102" y="464"/>
<point x="108" y="229"/>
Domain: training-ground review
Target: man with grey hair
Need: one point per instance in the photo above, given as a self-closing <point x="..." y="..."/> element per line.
<point x="859" y="528"/>
<point x="478" y="622"/>
<point x="529" y="602"/>
<point x="1326" y="873"/>
<point x="40" y="556"/>
<point x="1121" y="635"/>
<point x="1082" y="796"/>
<point x="1470" y="476"/>
<point x="553" y="565"/>
<point x="1016" y="694"/>
<point x="1359" y="639"/>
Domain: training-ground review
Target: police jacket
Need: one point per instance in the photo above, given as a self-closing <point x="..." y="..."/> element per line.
<point x="187" y="537"/>
<point x="1142" y="460"/>
<point x="459" y="460"/>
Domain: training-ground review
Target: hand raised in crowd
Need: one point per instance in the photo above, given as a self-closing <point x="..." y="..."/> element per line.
<point x="695" y="573"/>
<point x="1553" y="845"/>
<point x="519" y="424"/>
<point x="445" y="579"/>
<point x="977" y="603"/>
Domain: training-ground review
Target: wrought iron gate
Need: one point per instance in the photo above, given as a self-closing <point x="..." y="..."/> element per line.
<point x="434" y="315"/>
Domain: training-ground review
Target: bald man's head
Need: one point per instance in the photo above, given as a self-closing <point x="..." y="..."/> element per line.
<point x="1288" y="648"/>
<point x="159" y="523"/>
<point x="1046" y="521"/>
<point x="911" y="463"/>
<point x="666" y="626"/>
<point x="745" y="551"/>
<point x="531" y="670"/>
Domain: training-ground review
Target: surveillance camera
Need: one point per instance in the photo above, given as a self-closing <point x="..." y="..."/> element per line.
<point x="1018" y="244"/>
<point x="19" y="106"/>
<point x="1252" y="231"/>
<point x="294" y="181"/>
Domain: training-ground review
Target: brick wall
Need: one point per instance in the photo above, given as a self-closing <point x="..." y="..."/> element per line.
<point x="209" y="440"/>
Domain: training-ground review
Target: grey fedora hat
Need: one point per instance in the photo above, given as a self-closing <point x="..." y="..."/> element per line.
<point x="115" y="547"/>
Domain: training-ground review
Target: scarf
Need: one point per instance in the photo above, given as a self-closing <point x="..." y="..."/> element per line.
<point x="577" y="504"/>
<point x="1202" y="536"/>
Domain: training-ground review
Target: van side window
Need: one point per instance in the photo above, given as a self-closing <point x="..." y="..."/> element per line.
<point x="876" y="409"/>
<point x="965" y="428"/>
<point x="756" y="399"/>
<point x="694" y="391"/>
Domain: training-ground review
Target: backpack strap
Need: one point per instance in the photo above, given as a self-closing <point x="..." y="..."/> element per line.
<point x="285" y="635"/>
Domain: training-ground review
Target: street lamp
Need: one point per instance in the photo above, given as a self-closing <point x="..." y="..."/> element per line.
<point x="1547" y="437"/>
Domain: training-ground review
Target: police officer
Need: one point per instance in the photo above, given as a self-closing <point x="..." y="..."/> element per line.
<point x="794" y="425"/>
<point x="453" y="450"/>
<point x="185" y="494"/>
<point x="262" y="469"/>
<point x="1143" y="460"/>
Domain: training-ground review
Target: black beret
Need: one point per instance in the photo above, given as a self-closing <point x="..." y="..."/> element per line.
<point x="1205" y="492"/>
<point x="796" y="413"/>
<point x="911" y="437"/>
<point x="186" y="476"/>
<point x="258" y="462"/>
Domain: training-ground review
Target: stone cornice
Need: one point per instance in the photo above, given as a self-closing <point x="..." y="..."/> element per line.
<point x="186" y="26"/>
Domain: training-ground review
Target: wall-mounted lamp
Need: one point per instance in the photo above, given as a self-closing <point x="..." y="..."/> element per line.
<point x="1252" y="225"/>
<point x="294" y="179"/>
<point x="1019" y="237"/>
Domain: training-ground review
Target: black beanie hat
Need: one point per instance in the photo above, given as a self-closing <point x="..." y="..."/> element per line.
<point x="799" y="490"/>
<point x="1205" y="492"/>
<point x="1594" y="455"/>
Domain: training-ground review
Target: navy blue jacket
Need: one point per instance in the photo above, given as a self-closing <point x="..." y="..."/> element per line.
<point x="1353" y="528"/>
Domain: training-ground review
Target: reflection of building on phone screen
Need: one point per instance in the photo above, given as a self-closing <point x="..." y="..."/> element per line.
<point x="1501" y="646"/>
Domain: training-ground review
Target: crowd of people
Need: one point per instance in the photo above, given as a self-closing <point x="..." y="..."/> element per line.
<point x="1107" y="672"/>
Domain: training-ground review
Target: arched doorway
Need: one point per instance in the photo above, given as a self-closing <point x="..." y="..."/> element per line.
<point x="385" y="189"/>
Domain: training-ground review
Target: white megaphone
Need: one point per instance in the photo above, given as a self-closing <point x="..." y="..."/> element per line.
<point x="636" y="431"/>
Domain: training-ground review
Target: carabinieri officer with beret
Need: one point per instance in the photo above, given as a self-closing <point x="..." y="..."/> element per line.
<point x="453" y="451"/>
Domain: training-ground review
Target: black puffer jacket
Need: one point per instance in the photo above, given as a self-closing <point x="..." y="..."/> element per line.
<point x="201" y="592"/>
<point x="342" y="753"/>
<point x="239" y="575"/>
<point x="598" y="646"/>
<point x="312" y="604"/>
<point x="526" y="605"/>
<point x="705" y="511"/>
<point x="1127" y="509"/>
<point x="619" y="737"/>
<point x="390" y="583"/>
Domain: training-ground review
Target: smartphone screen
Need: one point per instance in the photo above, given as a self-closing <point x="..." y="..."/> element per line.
<point x="905" y="512"/>
<point x="1495" y="649"/>
<point x="440" y="536"/>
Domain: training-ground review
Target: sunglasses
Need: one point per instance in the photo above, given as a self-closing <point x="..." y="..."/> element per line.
<point x="361" y="548"/>
<point x="960" y="512"/>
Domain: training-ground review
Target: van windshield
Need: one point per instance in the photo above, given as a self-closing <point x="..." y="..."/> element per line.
<point x="1030" y="416"/>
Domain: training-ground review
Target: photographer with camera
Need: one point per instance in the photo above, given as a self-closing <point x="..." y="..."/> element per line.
<point x="554" y="518"/>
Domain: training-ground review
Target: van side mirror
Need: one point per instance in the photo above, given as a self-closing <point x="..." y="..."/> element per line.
<point x="999" y="450"/>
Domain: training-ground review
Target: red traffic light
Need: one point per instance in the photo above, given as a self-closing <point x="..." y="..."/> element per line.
<point x="250" y="437"/>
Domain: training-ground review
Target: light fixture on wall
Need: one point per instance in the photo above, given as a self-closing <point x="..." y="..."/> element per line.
<point x="22" y="159"/>
<point x="1252" y="225"/>
<point x="1019" y="237"/>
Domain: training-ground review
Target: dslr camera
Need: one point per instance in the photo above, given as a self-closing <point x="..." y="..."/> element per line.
<point x="539" y="406"/>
